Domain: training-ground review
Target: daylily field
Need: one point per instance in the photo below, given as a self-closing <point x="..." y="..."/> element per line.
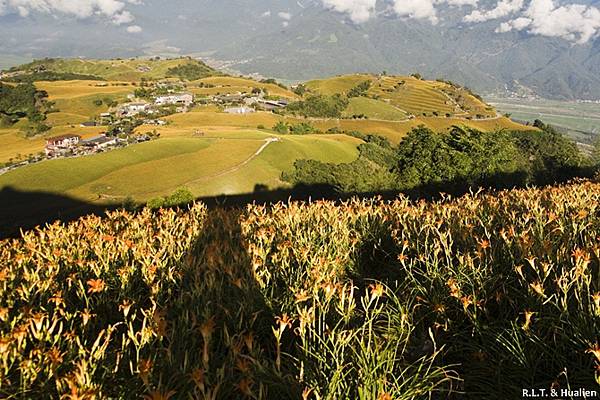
<point x="476" y="297"/>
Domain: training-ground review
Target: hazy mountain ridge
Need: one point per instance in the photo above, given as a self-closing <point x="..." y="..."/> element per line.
<point x="300" y="41"/>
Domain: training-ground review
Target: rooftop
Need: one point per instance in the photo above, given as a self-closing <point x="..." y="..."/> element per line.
<point x="62" y="137"/>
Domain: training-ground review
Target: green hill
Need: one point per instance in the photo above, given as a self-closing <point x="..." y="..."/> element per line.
<point x="223" y="162"/>
<point x="408" y="94"/>
<point x="116" y="70"/>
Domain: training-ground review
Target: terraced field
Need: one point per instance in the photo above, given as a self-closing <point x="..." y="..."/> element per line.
<point x="374" y="109"/>
<point x="411" y="95"/>
<point x="338" y="84"/>
<point x="13" y="144"/>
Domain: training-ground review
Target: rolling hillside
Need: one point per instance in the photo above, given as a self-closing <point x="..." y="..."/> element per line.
<point x="248" y="36"/>
<point x="158" y="168"/>
<point x="409" y="95"/>
<point x="133" y="69"/>
<point x="212" y="152"/>
<point x="223" y="85"/>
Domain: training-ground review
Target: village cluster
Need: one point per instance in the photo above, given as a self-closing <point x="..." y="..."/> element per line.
<point x="125" y="115"/>
<point x="124" y="118"/>
<point x="142" y="112"/>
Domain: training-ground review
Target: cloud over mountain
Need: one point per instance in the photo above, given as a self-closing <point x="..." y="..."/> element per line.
<point x="574" y="22"/>
<point x="113" y="10"/>
<point x="578" y="23"/>
<point x="358" y="10"/>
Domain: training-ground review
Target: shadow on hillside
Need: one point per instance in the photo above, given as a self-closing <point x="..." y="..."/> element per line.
<point x="25" y="210"/>
<point x="317" y="192"/>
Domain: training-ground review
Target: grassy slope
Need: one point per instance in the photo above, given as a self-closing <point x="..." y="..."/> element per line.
<point x="374" y="109"/>
<point x="412" y="95"/>
<point x="157" y="168"/>
<point x="338" y="84"/>
<point x="232" y="85"/>
<point x="114" y="70"/>
<point x="75" y="102"/>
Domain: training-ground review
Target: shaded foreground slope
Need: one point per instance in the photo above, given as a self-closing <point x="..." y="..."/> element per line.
<point x="476" y="297"/>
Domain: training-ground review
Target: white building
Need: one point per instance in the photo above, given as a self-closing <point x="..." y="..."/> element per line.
<point x="99" y="142"/>
<point x="185" y="99"/>
<point x="240" y="110"/>
<point x="62" y="143"/>
<point x="131" y="109"/>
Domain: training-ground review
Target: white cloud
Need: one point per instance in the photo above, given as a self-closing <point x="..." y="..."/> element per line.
<point x="502" y="9"/>
<point x="517" y="24"/>
<point x="266" y="14"/>
<point x="359" y="11"/>
<point x="420" y="9"/>
<point x="285" y="16"/>
<point x="426" y="9"/>
<point x="124" y="17"/>
<point x="134" y="29"/>
<point x="574" y="22"/>
<point x="114" y="10"/>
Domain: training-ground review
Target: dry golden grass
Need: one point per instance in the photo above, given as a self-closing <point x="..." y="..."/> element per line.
<point x="232" y="85"/>
<point x="196" y="119"/>
<point x="13" y="144"/>
<point x="71" y="89"/>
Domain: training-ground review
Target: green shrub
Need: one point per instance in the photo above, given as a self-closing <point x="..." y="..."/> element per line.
<point x="319" y="106"/>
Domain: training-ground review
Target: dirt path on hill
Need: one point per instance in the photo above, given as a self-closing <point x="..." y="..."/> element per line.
<point x="239" y="166"/>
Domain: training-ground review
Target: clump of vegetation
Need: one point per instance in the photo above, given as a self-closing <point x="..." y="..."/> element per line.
<point x="191" y="71"/>
<point x="300" y="90"/>
<point x="302" y="128"/>
<point x="272" y="81"/>
<point x="451" y="162"/>
<point x="319" y="106"/>
<point x="360" y="89"/>
<point x="180" y="197"/>
<point x="371" y="172"/>
<point x="24" y="101"/>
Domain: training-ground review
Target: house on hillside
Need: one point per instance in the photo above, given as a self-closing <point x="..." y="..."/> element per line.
<point x="159" y="122"/>
<point x="106" y="118"/>
<point x="99" y="142"/>
<point x="228" y="98"/>
<point x="271" y="105"/>
<point x="180" y="99"/>
<point x="250" y="101"/>
<point x="239" y="110"/>
<point x="131" y="109"/>
<point x="61" y="144"/>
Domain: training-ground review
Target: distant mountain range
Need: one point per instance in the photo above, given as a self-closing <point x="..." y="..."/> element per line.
<point x="302" y="40"/>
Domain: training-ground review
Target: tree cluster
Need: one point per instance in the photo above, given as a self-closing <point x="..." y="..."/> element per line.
<point x="190" y="71"/>
<point x="449" y="162"/>
<point x="360" y="89"/>
<point x="23" y="101"/>
<point x="319" y="106"/>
